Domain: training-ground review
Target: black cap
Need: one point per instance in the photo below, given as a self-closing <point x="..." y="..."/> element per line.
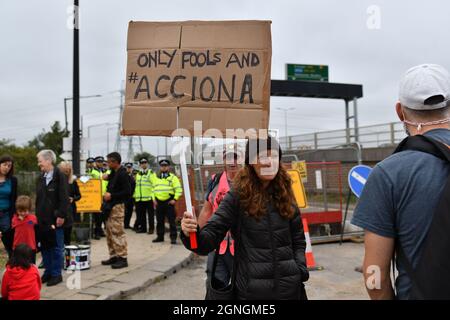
<point x="164" y="162"/>
<point x="99" y="159"/>
<point x="259" y="145"/>
<point x="129" y="165"/>
<point x="143" y="160"/>
<point x="90" y="160"/>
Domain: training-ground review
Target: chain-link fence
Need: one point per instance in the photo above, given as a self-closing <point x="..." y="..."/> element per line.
<point x="27" y="183"/>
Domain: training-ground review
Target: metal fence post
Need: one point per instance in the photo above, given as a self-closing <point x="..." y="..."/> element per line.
<point x="392" y="128"/>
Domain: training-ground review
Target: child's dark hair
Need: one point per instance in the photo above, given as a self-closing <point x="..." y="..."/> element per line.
<point x="21" y="257"/>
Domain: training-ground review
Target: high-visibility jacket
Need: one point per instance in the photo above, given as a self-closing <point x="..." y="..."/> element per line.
<point x="98" y="174"/>
<point x="93" y="173"/>
<point x="166" y="188"/>
<point x="144" y="186"/>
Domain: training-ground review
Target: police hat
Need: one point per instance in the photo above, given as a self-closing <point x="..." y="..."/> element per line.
<point x="99" y="159"/>
<point x="143" y="160"/>
<point x="164" y="162"/>
<point x="129" y="165"/>
<point x="90" y="160"/>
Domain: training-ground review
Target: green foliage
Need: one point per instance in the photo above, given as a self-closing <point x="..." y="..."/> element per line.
<point x="25" y="156"/>
<point x="52" y="139"/>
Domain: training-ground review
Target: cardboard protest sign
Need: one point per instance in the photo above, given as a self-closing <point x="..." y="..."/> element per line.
<point x="91" y="195"/>
<point x="180" y="72"/>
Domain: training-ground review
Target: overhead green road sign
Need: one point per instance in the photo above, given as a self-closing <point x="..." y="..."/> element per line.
<point x="307" y="72"/>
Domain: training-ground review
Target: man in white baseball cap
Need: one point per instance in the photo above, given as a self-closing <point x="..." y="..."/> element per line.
<point x="424" y="97"/>
<point x="401" y="194"/>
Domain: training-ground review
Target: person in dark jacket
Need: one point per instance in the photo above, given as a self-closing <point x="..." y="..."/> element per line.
<point x="74" y="196"/>
<point x="265" y="222"/>
<point x="8" y="197"/>
<point x="117" y="192"/>
<point x="129" y="204"/>
<point x="52" y="204"/>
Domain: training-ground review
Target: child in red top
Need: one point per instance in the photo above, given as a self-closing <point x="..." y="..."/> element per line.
<point x="23" y="223"/>
<point x="21" y="280"/>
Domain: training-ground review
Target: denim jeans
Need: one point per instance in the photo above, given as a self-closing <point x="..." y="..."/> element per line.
<point x="53" y="258"/>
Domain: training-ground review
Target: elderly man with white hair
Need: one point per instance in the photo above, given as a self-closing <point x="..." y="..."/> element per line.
<point x="52" y="203"/>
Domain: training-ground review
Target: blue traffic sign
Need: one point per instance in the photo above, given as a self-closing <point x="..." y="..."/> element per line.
<point x="357" y="178"/>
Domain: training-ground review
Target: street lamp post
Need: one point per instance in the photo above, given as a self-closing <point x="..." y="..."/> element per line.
<point x="285" y="110"/>
<point x="76" y="94"/>
<point x="71" y="98"/>
<point x="116" y="125"/>
<point x="96" y="125"/>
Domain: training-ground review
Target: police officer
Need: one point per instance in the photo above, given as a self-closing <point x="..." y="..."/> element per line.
<point x="167" y="190"/>
<point x="99" y="173"/>
<point x="129" y="203"/>
<point x="90" y="166"/>
<point x="143" y="197"/>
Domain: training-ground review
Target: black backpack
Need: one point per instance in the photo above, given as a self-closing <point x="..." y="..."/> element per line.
<point x="431" y="277"/>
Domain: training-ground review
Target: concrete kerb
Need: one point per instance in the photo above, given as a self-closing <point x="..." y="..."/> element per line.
<point x="141" y="278"/>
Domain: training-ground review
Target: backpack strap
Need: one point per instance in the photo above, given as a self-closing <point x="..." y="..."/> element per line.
<point x="431" y="146"/>
<point x="425" y="144"/>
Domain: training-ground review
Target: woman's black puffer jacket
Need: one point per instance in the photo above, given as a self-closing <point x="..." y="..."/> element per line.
<point x="270" y="253"/>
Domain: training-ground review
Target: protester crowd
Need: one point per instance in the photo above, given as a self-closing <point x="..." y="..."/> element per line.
<point x="46" y="226"/>
<point x="250" y="225"/>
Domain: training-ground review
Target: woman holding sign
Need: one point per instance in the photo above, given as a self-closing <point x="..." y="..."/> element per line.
<point x="264" y="220"/>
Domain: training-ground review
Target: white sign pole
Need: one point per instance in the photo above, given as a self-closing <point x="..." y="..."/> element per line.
<point x="184" y="176"/>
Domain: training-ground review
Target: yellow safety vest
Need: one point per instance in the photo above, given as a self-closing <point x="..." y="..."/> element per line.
<point x="164" y="188"/>
<point x="104" y="182"/>
<point x="94" y="173"/>
<point x="144" y="186"/>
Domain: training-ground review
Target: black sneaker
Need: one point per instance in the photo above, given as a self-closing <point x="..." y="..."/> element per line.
<point x="127" y="227"/>
<point x="141" y="231"/>
<point x="54" y="281"/>
<point x="110" y="261"/>
<point x="45" y="278"/>
<point x="120" y="263"/>
<point x="158" y="240"/>
<point x="173" y="241"/>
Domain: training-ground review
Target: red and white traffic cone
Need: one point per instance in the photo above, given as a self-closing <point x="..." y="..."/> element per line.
<point x="310" y="262"/>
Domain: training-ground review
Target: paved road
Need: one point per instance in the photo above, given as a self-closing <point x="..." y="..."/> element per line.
<point x="337" y="281"/>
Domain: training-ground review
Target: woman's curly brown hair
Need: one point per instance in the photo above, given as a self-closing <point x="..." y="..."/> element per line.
<point x="254" y="198"/>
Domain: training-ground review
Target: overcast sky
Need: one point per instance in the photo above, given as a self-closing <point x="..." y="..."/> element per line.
<point x="36" y="55"/>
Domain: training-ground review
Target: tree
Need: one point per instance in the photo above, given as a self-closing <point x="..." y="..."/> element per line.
<point x="151" y="158"/>
<point x="24" y="157"/>
<point x="52" y="139"/>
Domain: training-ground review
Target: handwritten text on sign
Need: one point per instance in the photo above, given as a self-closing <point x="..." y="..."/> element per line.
<point x="208" y="75"/>
<point x="91" y="196"/>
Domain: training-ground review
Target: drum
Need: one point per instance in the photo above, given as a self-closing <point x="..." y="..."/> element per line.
<point x="77" y="257"/>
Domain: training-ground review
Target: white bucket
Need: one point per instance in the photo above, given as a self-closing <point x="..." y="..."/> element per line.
<point x="77" y="257"/>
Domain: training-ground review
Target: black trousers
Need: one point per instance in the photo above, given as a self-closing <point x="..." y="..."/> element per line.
<point x="144" y="208"/>
<point x="163" y="210"/>
<point x="97" y="225"/>
<point x="8" y="239"/>
<point x="129" y="205"/>
<point x="67" y="235"/>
